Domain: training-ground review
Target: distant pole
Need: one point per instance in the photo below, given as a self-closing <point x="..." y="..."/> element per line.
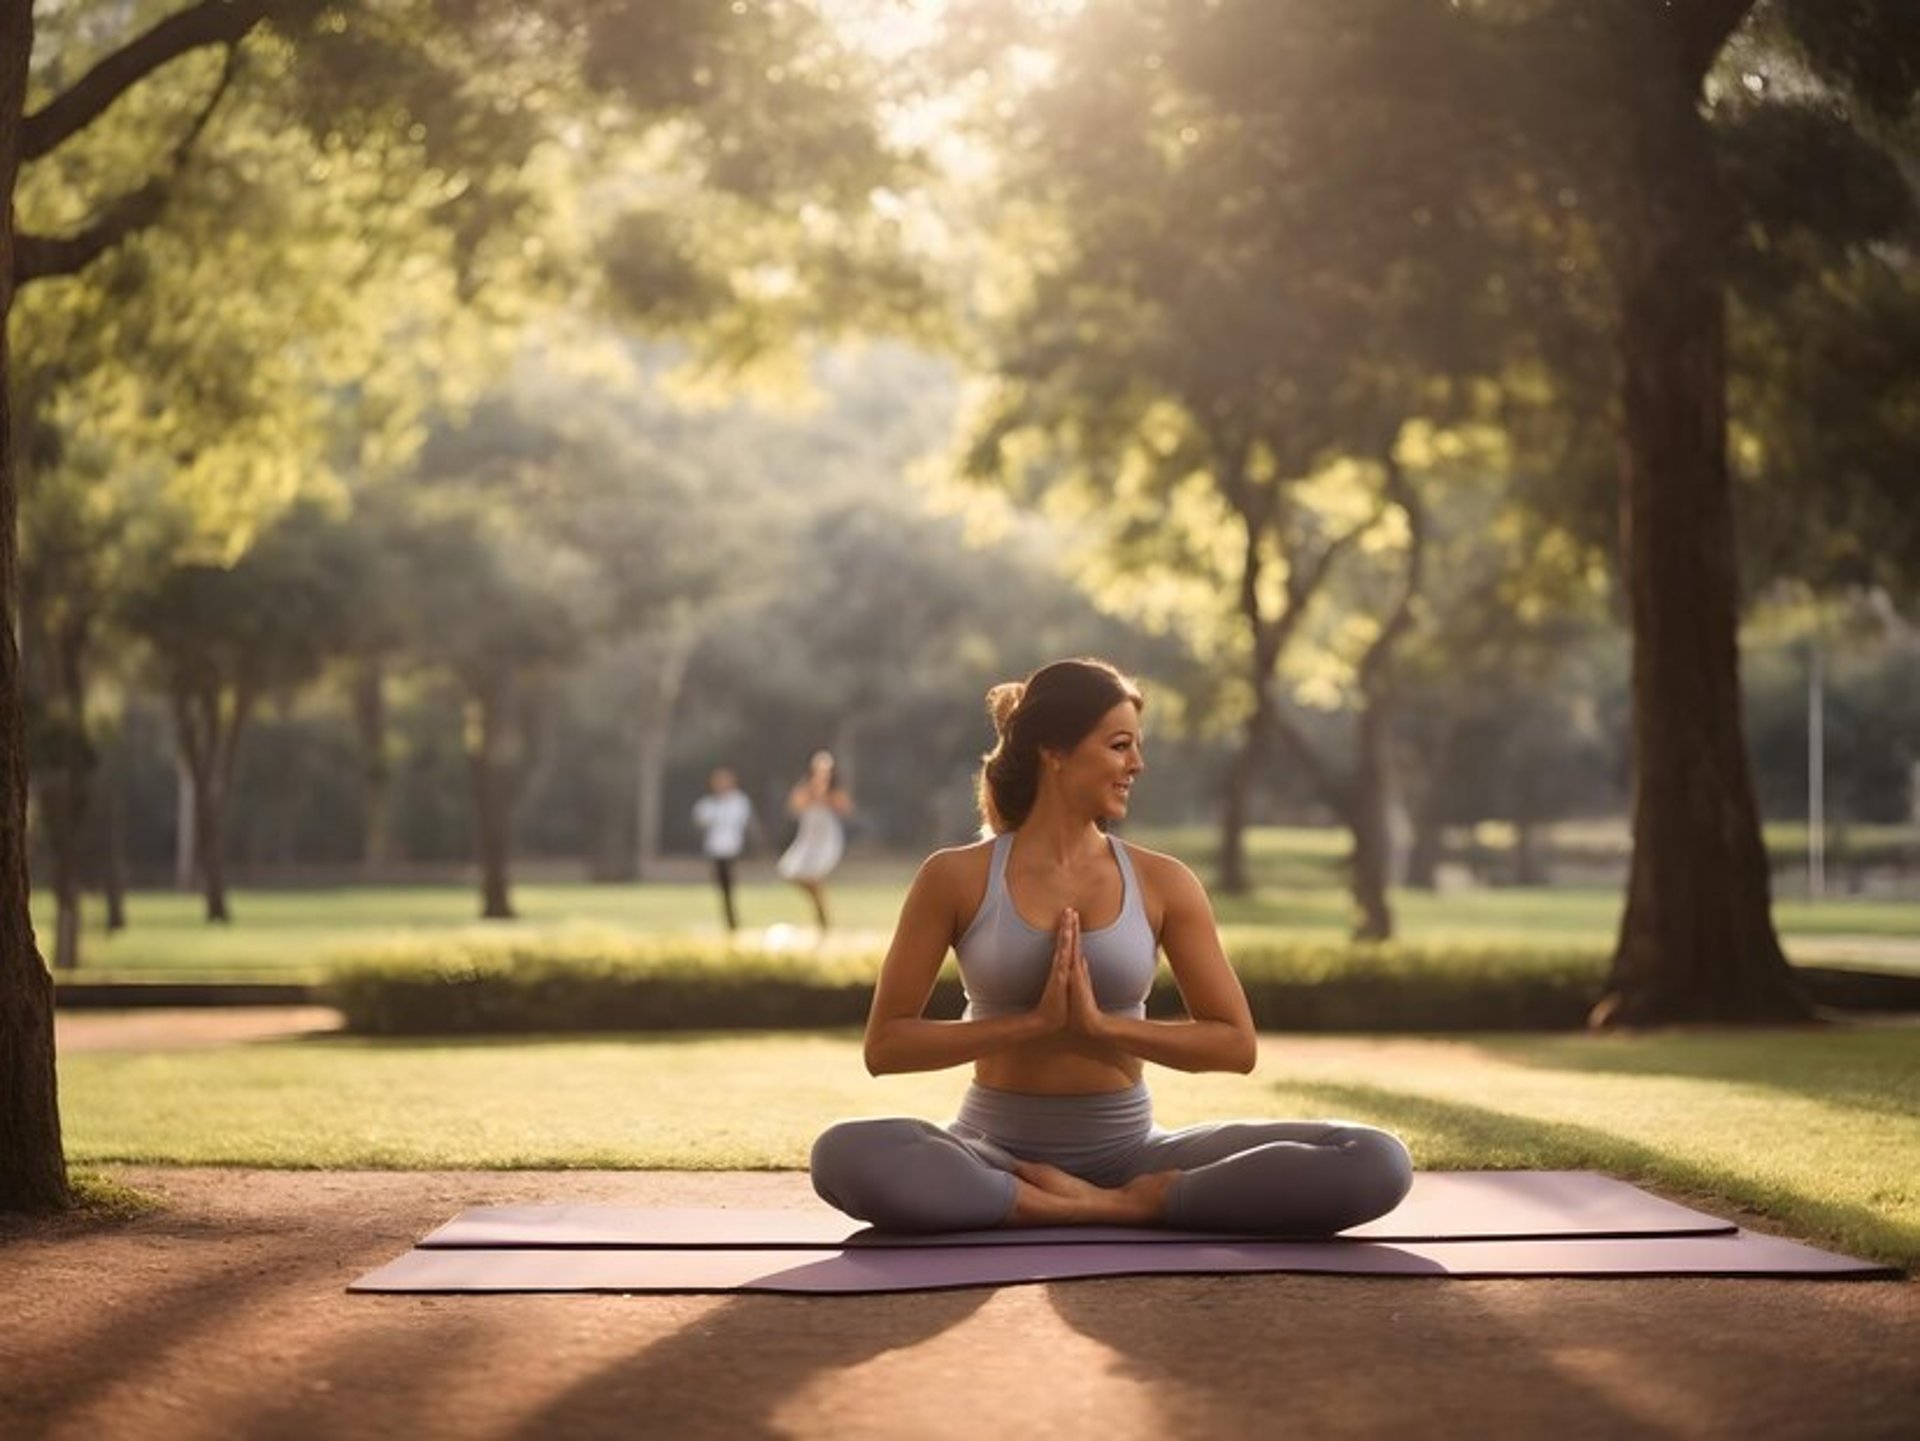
<point x="1816" y="773"/>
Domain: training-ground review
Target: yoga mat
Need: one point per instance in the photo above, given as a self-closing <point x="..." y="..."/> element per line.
<point x="938" y="1268"/>
<point x="1443" y="1205"/>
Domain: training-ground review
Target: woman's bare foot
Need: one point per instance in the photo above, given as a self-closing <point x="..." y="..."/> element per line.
<point x="1049" y="1196"/>
<point x="1054" y="1180"/>
<point x="1145" y="1197"/>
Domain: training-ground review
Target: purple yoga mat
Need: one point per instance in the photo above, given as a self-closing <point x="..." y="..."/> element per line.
<point x="939" y="1268"/>
<point x="1443" y="1205"/>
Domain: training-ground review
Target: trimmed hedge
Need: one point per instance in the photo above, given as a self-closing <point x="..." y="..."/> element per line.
<point x="576" y="984"/>
<point x="1330" y="986"/>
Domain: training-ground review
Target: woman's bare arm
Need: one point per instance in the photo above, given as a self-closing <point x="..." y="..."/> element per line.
<point x="899" y="1036"/>
<point x="1218" y="1034"/>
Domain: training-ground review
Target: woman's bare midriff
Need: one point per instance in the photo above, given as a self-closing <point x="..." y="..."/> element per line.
<point x="1060" y="1065"/>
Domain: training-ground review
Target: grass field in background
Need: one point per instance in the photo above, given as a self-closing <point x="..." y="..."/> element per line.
<point x="292" y="934"/>
<point x="1817" y="1131"/>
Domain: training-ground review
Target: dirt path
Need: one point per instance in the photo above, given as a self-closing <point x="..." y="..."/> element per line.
<point x="224" y="1315"/>
<point x="184" y="1028"/>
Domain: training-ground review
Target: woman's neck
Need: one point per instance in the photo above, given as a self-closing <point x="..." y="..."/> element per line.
<point x="1053" y="834"/>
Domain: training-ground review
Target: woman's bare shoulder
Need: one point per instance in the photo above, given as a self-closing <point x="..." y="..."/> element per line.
<point x="958" y="865"/>
<point x="1167" y="877"/>
<point x="954" y="881"/>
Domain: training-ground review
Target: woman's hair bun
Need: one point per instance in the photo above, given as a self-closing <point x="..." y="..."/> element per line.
<point x="1002" y="701"/>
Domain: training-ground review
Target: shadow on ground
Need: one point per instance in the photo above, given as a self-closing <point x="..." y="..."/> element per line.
<point x="1505" y="1139"/>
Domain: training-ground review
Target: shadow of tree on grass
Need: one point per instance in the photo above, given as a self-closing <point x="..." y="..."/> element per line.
<point x="1501" y="1140"/>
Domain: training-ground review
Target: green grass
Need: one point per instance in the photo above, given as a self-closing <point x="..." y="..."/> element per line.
<point x="102" y="1198"/>
<point x="1817" y="1131"/>
<point x="293" y="935"/>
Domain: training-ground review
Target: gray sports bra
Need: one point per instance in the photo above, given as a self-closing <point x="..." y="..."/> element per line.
<point x="1004" y="961"/>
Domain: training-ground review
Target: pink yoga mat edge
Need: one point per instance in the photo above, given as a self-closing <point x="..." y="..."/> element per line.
<point x="1443" y="1206"/>
<point x="1744" y="1254"/>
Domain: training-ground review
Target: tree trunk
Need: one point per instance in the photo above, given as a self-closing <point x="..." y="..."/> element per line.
<point x="1429" y="845"/>
<point x="1532" y="850"/>
<point x="186" y="851"/>
<point x="66" y="932"/>
<point x="1697" y="941"/>
<point x="113" y="868"/>
<point x="1370" y="792"/>
<point x="492" y="821"/>
<point x="1433" y="756"/>
<point x="669" y="667"/>
<point x="612" y="856"/>
<point x="206" y="746"/>
<point x="376" y="771"/>
<point x="209" y="821"/>
<point x="67" y="805"/>
<point x="1373" y="916"/>
<point x="1237" y="803"/>
<point x="33" y="1169"/>
<point x="651" y="764"/>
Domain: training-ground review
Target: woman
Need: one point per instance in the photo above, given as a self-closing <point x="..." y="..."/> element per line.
<point x="819" y="802"/>
<point x="1056" y="926"/>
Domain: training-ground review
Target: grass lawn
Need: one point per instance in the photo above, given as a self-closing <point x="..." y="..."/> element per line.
<point x="292" y="934"/>
<point x="1820" y="1132"/>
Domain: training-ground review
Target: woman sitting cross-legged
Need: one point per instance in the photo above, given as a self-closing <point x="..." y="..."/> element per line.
<point x="1057" y="926"/>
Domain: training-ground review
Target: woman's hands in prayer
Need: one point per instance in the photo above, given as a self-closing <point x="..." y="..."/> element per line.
<point x="1067" y="1002"/>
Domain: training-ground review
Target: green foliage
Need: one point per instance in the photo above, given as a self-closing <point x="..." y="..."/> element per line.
<point x="262" y="626"/>
<point x="1296" y="986"/>
<point x="589" y="984"/>
<point x="612" y="983"/>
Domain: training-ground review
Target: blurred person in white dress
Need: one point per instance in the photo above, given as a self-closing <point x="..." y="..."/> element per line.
<point x="819" y="803"/>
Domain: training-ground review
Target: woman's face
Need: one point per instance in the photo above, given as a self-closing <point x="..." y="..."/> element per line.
<point x="1097" y="775"/>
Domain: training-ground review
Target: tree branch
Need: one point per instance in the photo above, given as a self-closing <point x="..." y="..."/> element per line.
<point x="37" y="256"/>
<point x="1305" y="577"/>
<point x="211" y="22"/>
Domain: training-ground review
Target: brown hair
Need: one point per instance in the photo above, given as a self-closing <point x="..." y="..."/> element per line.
<point x="1053" y="709"/>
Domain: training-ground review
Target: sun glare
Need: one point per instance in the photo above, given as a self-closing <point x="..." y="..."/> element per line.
<point x="887" y="28"/>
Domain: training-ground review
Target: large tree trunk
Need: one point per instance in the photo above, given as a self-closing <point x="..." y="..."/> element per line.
<point x="492" y="812"/>
<point x="33" y="1170"/>
<point x="1697" y="941"/>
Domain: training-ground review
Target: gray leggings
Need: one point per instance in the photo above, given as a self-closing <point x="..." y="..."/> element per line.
<point x="1269" y="1177"/>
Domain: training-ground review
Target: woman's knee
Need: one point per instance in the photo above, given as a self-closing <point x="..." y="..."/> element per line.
<point x="851" y="1159"/>
<point x="1386" y="1169"/>
<point x="904" y="1174"/>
